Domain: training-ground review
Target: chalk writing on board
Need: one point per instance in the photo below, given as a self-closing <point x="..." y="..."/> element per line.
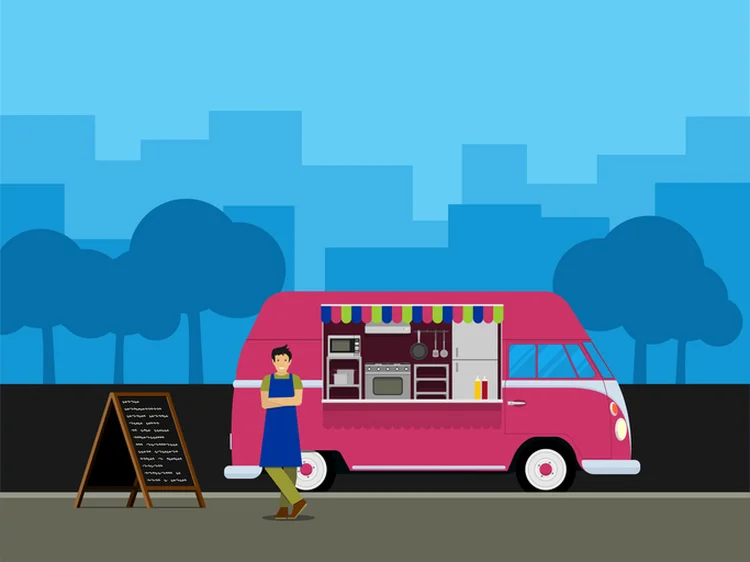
<point x="154" y="436"/>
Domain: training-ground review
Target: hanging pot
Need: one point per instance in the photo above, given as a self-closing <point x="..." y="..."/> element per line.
<point x="419" y="350"/>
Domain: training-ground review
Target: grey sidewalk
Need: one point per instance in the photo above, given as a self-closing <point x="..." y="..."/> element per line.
<point x="335" y="527"/>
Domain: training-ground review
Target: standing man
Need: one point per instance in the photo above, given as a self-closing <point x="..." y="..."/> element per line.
<point x="280" y="455"/>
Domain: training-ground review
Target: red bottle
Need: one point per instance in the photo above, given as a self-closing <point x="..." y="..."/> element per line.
<point x="485" y="389"/>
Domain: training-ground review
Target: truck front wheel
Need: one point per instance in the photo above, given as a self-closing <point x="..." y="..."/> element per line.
<point x="545" y="470"/>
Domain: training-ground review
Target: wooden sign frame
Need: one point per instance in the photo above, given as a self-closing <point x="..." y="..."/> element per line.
<point x="113" y="402"/>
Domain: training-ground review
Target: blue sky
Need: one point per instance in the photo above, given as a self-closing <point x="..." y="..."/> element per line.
<point x="389" y="82"/>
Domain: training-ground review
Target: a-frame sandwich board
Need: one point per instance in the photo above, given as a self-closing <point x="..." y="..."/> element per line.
<point x="139" y="446"/>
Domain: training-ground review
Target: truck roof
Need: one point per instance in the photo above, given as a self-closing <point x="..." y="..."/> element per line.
<point x="296" y="315"/>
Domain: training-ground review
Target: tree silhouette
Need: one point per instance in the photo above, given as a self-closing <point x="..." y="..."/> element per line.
<point x="645" y="276"/>
<point x="112" y="296"/>
<point x="135" y="308"/>
<point x="38" y="272"/>
<point x="89" y="298"/>
<point x="700" y="309"/>
<point x="252" y="271"/>
<point x="198" y="259"/>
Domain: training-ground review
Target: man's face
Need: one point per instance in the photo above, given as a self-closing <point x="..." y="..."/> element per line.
<point x="281" y="362"/>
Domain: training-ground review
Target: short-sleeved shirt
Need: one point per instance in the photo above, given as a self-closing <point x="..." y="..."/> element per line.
<point x="266" y="384"/>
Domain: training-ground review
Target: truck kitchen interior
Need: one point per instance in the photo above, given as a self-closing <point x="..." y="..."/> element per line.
<point x="428" y="353"/>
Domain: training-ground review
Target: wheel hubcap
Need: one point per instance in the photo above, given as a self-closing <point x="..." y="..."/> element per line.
<point x="546" y="469"/>
<point x="313" y="471"/>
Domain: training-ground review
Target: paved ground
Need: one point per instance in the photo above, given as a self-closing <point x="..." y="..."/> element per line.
<point x="350" y="527"/>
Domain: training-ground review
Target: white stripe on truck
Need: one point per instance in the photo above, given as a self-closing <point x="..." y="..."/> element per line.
<point x="593" y="384"/>
<point x="255" y="383"/>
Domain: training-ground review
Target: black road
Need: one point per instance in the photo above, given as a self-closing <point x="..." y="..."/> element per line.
<point x="688" y="438"/>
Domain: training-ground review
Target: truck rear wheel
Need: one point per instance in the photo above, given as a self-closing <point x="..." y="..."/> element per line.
<point x="545" y="469"/>
<point x="317" y="472"/>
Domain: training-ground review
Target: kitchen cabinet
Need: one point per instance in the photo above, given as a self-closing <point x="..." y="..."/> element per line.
<point x="475" y="341"/>
<point x="466" y="372"/>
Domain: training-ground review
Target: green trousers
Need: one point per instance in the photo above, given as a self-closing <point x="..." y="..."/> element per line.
<point x="285" y="479"/>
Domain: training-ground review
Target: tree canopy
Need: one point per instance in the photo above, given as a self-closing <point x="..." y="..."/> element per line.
<point x="38" y="275"/>
<point x="200" y="260"/>
<point x="648" y="276"/>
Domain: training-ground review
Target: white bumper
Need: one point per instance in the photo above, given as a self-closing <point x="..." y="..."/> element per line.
<point x="627" y="467"/>
<point x="242" y="472"/>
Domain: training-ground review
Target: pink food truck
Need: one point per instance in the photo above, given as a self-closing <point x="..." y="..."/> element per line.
<point x="436" y="381"/>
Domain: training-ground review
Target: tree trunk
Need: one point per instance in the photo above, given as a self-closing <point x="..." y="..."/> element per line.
<point x="48" y="355"/>
<point x="119" y="359"/>
<point x="195" y="366"/>
<point x="681" y="353"/>
<point x="639" y="363"/>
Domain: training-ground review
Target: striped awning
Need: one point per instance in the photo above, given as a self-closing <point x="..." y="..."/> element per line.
<point x="407" y="314"/>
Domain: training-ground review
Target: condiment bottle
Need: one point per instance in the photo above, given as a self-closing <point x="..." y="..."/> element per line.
<point x="477" y="389"/>
<point x="485" y="389"/>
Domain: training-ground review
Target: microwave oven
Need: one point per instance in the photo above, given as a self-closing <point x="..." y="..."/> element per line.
<point x="344" y="346"/>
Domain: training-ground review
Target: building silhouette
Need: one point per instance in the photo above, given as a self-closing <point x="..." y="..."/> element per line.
<point x="716" y="215"/>
<point x="29" y="207"/>
<point x="490" y="247"/>
<point x="351" y="227"/>
<point x="716" y="151"/>
<point x="249" y="158"/>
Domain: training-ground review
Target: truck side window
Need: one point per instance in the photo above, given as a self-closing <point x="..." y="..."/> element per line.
<point x="554" y="363"/>
<point x="581" y="364"/>
<point x="522" y="362"/>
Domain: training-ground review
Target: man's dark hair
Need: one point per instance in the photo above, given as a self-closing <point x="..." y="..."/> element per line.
<point x="281" y="351"/>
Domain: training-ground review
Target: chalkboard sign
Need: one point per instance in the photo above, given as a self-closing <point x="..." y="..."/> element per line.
<point x="139" y="446"/>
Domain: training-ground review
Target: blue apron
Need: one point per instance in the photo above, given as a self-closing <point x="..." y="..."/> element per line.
<point x="281" y="446"/>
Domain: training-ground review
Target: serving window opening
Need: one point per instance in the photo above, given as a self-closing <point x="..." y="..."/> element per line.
<point x="425" y="353"/>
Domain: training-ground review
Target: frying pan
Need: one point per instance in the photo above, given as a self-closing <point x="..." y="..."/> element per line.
<point x="419" y="350"/>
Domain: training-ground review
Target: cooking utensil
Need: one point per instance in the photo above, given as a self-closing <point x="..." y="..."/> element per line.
<point x="444" y="352"/>
<point x="419" y="350"/>
<point x="436" y="351"/>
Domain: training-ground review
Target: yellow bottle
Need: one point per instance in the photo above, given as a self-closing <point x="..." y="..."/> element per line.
<point x="477" y="389"/>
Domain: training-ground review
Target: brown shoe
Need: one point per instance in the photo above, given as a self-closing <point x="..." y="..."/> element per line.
<point x="282" y="513"/>
<point x="297" y="509"/>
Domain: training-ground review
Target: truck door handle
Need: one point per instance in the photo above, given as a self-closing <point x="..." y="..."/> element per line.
<point x="516" y="403"/>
